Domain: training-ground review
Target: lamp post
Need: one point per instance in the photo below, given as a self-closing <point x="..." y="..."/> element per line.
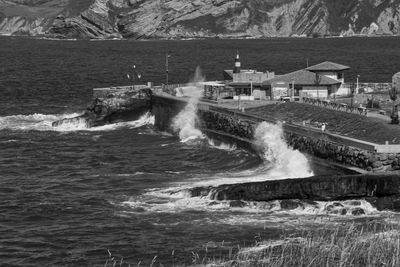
<point x="292" y="94"/>
<point x="251" y="87"/>
<point x="357" y="88"/>
<point x="166" y="67"/>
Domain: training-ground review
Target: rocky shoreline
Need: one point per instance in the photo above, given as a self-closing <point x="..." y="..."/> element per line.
<point x="138" y="19"/>
<point x="381" y="190"/>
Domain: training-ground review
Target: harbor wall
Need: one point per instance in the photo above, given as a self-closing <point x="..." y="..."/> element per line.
<point x="382" y="191"/>
<point x="333" y="148"/>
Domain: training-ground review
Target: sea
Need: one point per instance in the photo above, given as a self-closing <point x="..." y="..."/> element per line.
<point x="77" y="196"/>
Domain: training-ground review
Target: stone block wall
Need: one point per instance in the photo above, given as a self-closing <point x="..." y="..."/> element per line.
<point x="227" y="124"/>
<point x="243" y="126"/>
<point x="306" y="142"/>
<point x="164" y="110"/>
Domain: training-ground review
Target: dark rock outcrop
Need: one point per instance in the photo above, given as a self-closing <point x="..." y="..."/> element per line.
<point x="112" y="106"/>
<point x="198" y="19"/>
<point x="382" y="191"/>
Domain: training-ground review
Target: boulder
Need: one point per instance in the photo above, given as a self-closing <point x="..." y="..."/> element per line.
<point x="357" y="211"/>
<point x="124" y="104"/>
<point x="237" y="204"/>
<point x="290" y="204"/>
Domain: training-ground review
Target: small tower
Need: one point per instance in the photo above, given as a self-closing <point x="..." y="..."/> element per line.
<point x="237" y="64"/>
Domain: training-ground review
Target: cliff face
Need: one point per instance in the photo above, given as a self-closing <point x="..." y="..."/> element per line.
<point x="152" y="19"/>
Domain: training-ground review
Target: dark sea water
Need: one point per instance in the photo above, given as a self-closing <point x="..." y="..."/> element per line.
<point x="67" y="195"/>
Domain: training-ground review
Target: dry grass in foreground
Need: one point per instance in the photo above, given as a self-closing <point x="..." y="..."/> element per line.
<point x="344" y="246"/>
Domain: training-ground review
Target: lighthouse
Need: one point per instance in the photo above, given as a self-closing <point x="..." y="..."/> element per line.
<point x="237" y="63"/>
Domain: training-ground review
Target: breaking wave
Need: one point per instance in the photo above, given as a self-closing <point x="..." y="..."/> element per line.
<point x="279" y="160"/>
<point x="43" y="122"/>
<point x="39" y="122"/>
<point x="185" y="122"/>
<point x="282" y="160"/>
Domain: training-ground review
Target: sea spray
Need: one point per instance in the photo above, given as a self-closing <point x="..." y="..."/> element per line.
<point x="286" y="162"/>
<point x="185" y="122"/>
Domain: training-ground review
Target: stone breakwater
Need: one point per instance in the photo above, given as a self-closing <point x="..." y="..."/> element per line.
<point x="367" y="160"/>
<point x="382" y="191"/>
<point x="305" y="139"/>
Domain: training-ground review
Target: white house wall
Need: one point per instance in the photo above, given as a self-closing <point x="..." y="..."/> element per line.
<point x="316" y="92"/>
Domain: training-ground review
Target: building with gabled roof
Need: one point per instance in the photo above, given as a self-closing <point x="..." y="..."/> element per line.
<point x="301" y="83"/>
<point x="304" y="77"/>
<point x="330" y="69"/>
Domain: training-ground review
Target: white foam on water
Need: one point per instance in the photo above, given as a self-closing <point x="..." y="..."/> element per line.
<point x="9" y="141"/>
<point x="39" y="122"/>
<point x="146" y="119"/>
<point x="185" y="122"/>
<point x="43" y="122"/>
<point x="175" y="200"/>
<point x="173" y="205"/>
<point x="221" y="145"/>
<point x="335" y="208"/>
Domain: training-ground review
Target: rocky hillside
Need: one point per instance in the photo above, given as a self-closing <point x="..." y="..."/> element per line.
<point x="152" y="19"/>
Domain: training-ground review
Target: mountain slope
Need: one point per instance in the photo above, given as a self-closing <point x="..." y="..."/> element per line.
<point x="152" y="19"/>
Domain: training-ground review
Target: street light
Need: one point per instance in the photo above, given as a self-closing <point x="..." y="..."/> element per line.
<point x="251" y="87"/>
<point x="166" y="67"/>
<point x="292" y="94"/>
<point x="357" y="88"/>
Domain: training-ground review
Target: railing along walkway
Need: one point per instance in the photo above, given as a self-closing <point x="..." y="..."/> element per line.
<point x="335" y="106"/>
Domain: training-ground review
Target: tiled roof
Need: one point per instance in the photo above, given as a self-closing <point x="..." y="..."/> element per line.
<point x="328" y="66"/>
<point x="229" y="72"/>
<point x="303" y="77"/>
